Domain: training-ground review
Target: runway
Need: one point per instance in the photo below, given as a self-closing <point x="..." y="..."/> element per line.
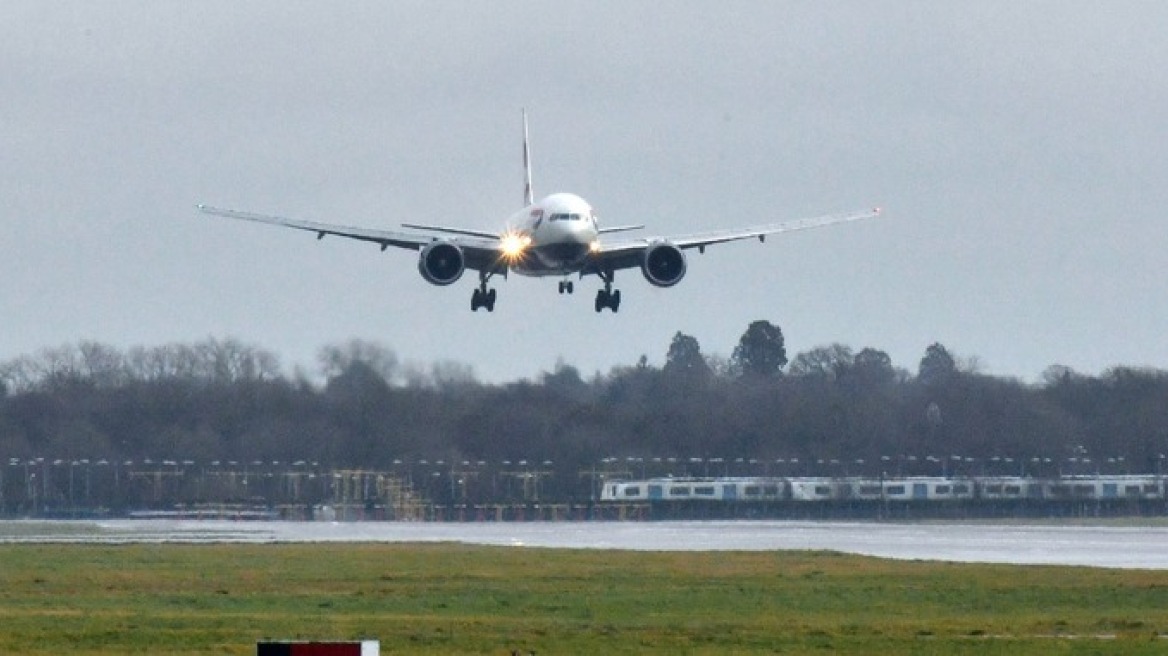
<point x="1137" y="547"/>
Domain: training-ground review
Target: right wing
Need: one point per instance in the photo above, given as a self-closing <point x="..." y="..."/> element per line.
<point x="482" y="250"/>
<point x="629" y="253"/>
<point x="703" y="239"/>
<point x="605" y="231"/>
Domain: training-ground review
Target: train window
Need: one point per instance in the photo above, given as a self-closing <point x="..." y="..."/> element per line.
<point x="752" y="491"/>
<point x="679" y="491"/>
<point x="869" y="490"/>
<point x="1131" y="490"/>
<point x="704" y="490"/>
<point x="1152" y="489"/>
<point x="960" y="489"/>
<point x="771" y="490"/>
<point x="895" y="489"/>
<point x="1084" y="490"/>
<point x="943" y="489"/>
<point x="633" y="491"/>
<point x="993" y="489"/>
<point x="822" y="491"/>
<point x="1013" y="490"/>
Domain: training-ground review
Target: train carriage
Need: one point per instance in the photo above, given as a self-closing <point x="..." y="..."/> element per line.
<point x="992" y="492"/>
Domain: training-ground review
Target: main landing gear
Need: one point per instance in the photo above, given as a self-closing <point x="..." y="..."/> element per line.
<point x="608" y="297"/>
<point x="566" y="287"/>
<point x="483" y="297"/>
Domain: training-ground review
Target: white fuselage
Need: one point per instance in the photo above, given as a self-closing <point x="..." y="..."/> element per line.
<point x="563" y="231"/>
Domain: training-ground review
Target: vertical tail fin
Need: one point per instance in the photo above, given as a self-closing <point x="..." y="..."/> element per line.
<point x="528" y="196"/>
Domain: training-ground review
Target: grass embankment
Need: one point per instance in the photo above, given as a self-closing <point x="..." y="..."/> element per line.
<point x="440" y="599"/>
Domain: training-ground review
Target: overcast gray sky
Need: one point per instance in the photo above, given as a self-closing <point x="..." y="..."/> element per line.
<point x="1020" y="151"/>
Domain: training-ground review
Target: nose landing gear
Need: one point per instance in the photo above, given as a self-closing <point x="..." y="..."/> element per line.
<point x="566" y="287"/>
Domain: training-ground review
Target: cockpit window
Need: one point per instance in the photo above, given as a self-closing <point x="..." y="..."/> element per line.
<point x="564" y="217"/>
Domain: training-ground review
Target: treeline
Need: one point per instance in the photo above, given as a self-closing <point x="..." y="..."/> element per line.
<point x="221" y="400"/>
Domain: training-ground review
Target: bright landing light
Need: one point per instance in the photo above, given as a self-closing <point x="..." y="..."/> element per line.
<point x="513" y="244"/>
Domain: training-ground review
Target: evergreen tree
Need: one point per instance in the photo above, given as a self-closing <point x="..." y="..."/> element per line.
<point x="937" y="366"/>
<point x="685" y="357"/>
<point x="761" y="350"/>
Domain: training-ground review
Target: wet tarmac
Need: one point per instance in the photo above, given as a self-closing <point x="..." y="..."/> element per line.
<point x="1143" y="547"/>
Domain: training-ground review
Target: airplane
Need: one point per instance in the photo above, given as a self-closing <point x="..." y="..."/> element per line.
<point x="558" y="236"/>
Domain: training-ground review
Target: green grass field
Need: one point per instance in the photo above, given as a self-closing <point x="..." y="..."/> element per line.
<point x="443" y="599"/>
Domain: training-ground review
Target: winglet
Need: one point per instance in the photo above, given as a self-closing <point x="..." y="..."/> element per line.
<point x="528" y="196"/>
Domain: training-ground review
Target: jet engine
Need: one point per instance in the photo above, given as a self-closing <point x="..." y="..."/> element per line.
<point x="441" y="263"/>
<point x="664" y="264"/>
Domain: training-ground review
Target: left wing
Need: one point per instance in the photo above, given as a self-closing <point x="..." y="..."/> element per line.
<point x="627" y="254"/>
<point x="482" y="250"/>
<point x="453" y="231"/>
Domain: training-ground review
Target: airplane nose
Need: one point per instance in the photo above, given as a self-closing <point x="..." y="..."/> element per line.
<point x="565" y="242"/>
<point x="565" y="251"/>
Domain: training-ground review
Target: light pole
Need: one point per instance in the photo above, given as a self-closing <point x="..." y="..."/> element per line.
<point x="30" y="494"/>
<point x="2" y="487"/>
<point x="72" y="499"/>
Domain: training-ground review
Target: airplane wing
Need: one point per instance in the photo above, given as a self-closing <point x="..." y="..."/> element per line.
<point x="482" y="250"/>
<point x="454" y="231"/>
<point x="605" y="231"/>
<point x="627" y="254"/>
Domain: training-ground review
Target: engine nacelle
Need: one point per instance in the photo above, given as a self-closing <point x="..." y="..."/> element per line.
<point x="441" y="263"/>
<point x="664" y="264"/>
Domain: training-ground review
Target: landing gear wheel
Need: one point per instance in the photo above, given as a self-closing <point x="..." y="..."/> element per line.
<point x="608" y="299"/>
<point x="482" y="298"/>
<point x="566" y="287"/>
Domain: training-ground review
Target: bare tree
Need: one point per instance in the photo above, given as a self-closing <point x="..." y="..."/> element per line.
<point x="826" y="362"/>
<point x="337" y="358"/>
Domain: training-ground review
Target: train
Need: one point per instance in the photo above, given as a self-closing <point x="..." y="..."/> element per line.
<point x="1144" y="489"/>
